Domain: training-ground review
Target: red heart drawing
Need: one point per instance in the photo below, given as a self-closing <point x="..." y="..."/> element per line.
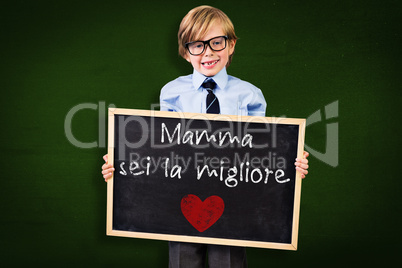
<point x="202" y="215"/>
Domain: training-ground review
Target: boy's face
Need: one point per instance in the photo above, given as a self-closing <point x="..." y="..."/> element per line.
<point x="210" y="62"/>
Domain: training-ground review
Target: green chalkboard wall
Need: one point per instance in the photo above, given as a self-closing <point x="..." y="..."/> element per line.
<point x="336" y="63"/>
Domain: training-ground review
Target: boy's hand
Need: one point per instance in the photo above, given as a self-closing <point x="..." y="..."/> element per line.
<point x="107" y="169"/>
<point x="302" y="164"/>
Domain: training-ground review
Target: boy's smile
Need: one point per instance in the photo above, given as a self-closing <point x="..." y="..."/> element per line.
<point x="211" y="62"/>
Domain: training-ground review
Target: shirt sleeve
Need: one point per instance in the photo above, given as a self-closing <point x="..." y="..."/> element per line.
<point x="167" y="99"/>
<point x="257" y="106"/>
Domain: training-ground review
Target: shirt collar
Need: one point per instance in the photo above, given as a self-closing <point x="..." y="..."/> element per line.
<point x="221" y="79"/>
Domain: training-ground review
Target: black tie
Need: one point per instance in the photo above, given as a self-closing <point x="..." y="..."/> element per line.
<point x="212" y="101"/>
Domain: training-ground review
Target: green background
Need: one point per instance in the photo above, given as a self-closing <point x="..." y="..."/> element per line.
<point x="303" y="55"/>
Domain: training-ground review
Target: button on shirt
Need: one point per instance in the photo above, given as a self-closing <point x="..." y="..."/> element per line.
<point x="236" y="97"/>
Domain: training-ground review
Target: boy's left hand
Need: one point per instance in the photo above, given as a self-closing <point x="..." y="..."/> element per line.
<point x="302" y="164"/>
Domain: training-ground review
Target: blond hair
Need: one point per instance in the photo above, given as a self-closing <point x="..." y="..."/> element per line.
<point x="198" y="22"/>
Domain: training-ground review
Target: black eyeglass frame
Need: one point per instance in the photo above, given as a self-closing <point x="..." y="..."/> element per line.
<point x="207" y="42"/>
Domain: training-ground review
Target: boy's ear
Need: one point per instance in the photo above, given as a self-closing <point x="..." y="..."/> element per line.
<point x="232" y="44"/>
<point x="187" y="57"/>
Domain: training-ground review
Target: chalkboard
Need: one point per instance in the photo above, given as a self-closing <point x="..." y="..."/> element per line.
<point x="214" y="179"/>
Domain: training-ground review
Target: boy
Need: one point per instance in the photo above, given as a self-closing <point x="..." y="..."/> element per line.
<point x="207" y="40"/>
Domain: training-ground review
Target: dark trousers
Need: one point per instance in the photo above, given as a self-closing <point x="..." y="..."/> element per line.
<point x="192" y="255"/>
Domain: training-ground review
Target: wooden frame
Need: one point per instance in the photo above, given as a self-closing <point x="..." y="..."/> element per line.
<point x="194" y="239"/>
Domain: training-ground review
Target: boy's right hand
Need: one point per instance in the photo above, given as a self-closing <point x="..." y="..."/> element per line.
<point x="107" y="169"/>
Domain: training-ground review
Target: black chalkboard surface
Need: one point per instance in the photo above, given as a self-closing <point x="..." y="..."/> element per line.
<point x="201" y="178"/>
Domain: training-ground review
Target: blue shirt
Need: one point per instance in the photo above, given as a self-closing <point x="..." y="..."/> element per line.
<point x="236" y="97"/>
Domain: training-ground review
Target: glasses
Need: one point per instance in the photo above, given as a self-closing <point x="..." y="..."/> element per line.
<point x="198" y="47"/>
